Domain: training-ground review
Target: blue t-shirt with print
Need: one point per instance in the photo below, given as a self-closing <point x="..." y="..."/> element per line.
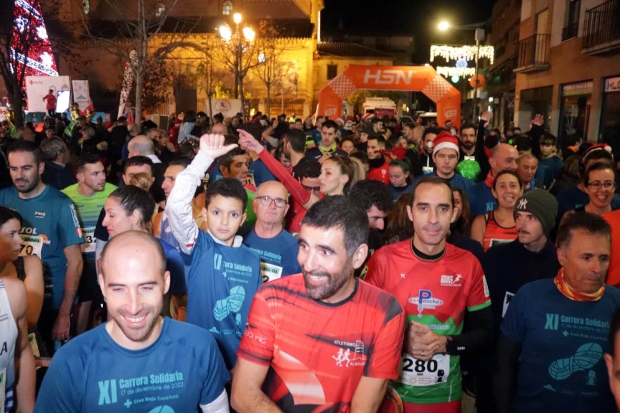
<point x="176" y="266"/>
<point x="548" y="170"/>
<point x="278" y="255"/>
<point x="481" y="199"/>
<point x="563" y="341"/>
<point x="222" y="282"/>
<point x="50" y="224"/>
<point x="457" y="181"/>
<point x="92" y="373"/>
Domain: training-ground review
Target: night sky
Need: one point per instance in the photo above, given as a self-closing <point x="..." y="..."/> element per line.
<point x="415" y="17"/>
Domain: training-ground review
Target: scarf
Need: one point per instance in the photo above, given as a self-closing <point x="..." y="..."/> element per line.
<point x="331" y="149"/>
<point x="569" y="292"/>
<point x="489" y="180"/>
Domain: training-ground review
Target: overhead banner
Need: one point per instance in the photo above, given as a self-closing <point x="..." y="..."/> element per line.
<point x="39" y="86"/>
<point x="81" y="94"/>
<point x="406" y="78"/>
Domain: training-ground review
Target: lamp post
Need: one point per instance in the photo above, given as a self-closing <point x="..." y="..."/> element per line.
<point x="238" y="39"/>
<point x="479" y="35"/>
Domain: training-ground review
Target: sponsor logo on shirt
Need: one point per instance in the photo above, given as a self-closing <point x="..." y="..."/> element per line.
<point x="451" y="280"/>
<point x="425" y="301"/>
<point x="39" y="214"/>
<point x="345" y="357"/>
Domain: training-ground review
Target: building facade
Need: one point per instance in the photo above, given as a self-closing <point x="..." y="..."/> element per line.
<point x="568" y="68"/>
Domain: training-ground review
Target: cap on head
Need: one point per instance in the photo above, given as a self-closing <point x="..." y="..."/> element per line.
<point x="542" y="205"/>
<point x="445" y="140"/>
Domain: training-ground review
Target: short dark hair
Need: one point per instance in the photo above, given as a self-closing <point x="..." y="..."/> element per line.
<point x="614" y="329"/>
<point x="184" y="162"/>
<point x="189" y="116"/>
<point x="590" y="223"/>
<point x="370" y="192"/>
<point x="433" y="180"/>
<point x="467" y="125"/>
<point x="86" y="159"/>
<point x="374" y="121"/>
<point x="338" y="211"/>
<point x="408" y="124"/>
<point x="599" y="166"/>
<point x="138" y="161"/>
<point x="228" y="188"/>
<point x="7" y="214"/>
<point x="548" y="139"/>
<point x="330" y="124"/>
<point x="507" y="172"/>
<point x="297" y="139"/>
<point x="226" y="159"/>
<point x="121" y="119"/>
<point x="132" y="198"/>
<point x="427" y="131"/>
<point x="21" y="145"/>
<point x="380" y="139"/>
<point x="310" y="169"/>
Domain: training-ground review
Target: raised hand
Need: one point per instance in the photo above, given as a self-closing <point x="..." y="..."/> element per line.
<point x="538" y="120"/>
<point x="248" y="142"/>
<point x="486" y="117"/>
<point x="213" y="146"/>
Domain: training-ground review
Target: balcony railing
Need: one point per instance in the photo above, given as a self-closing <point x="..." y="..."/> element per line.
<point x="601" y="31"/>
<point x="570" y="31"/>
<point x="533" y="54"/>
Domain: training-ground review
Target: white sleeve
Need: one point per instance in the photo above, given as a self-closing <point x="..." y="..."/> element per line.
<point x="219" y="405"/>
<point x="179" y="204"/>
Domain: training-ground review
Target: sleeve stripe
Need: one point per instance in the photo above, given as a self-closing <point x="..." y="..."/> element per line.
<point x="480" y="306"/>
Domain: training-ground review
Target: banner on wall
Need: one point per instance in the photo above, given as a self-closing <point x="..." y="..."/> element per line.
<point x="81" y="94"/>
<point x="39" y="86"/>
<point x="227" y="107"/>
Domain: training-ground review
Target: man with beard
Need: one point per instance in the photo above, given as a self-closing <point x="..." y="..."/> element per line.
<point x="89" y="196"/>
<point x="379" y="168"/>
<point x="138" y="358"/>
<point x="321" y="340"/>
<point x="50" y="230"/>
<point x="426" y="152"/>
<point x="436" y="283"/>
<point x="472" y="146"/>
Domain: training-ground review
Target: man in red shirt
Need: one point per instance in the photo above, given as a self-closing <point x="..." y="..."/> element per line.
<point x="50" y="106"/>
<point x="322" y="340"/>
<point x="379" y="168"/>
<point x="436" y="283"/>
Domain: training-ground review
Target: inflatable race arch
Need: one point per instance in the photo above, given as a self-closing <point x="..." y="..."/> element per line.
<point x="406" y="78"/>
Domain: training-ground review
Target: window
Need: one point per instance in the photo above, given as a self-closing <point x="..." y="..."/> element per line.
<point x="227" y="7"/>
<point x="332" y="71"/>
<point x="571" y="24"/>
<point x="160" y="9"/>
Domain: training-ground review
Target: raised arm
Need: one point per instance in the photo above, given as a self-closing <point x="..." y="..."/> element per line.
<point x="304" y="197"/>
<point x="179" y="209"/>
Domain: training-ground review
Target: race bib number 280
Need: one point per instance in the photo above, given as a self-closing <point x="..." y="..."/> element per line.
<point x="416" y="372"/>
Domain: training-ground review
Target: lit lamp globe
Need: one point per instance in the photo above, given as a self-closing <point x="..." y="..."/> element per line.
<point x="472" y="81"/>
<point x="237" y="18"/>
<point x="443" y="26"/>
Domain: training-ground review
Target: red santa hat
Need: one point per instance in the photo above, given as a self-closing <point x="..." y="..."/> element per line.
<point x="445" y="140"/>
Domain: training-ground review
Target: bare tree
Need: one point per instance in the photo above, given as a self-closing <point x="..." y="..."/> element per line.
<point x="270" y="69"/>
<point x="136" y="28"/>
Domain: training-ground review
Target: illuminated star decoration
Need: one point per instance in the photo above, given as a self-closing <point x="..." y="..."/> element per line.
<point x="42" y="33"/>
<point x="46" y="59"/>
<point x="21" y="22"/>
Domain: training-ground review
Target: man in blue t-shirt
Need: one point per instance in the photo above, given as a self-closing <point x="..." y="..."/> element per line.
<point x="50" y="230"/>
<point x="556" y="331"/>
<point x="276" y="248"/>
<point x="224" y="274"/>
<point x="137" y="361"/>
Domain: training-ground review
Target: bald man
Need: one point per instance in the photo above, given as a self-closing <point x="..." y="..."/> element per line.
<point x="219" y="129"/>
<point x="481" y="200"/>
<point x="138" y="359"/>
<point x="277" y="248"/>
<point x="142" y="145"/>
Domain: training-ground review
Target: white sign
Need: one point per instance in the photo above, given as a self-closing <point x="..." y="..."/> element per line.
<point x="38" y="86"/>
<point x="612" y="84"/>
<point x="227" y="107"/>
<point x="81" y="93"/>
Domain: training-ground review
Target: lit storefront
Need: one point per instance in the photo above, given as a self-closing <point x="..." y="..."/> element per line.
<point x="609" y="130"/>
<point x="575" y="105"/>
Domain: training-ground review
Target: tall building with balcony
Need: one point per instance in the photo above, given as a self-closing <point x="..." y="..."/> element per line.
<point x="568" y="68"/>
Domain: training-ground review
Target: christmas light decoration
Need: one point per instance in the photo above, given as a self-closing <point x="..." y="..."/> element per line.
<point x="30" y="37"/>
<point x="462" y="52"/>
<point x="448" y="71"/>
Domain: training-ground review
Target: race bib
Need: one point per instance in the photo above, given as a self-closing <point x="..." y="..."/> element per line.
<point x="270" y="272"/>
<point x="2" y="388"/>
<point x="416" y="372"/>
<point x="89" y="244"/>
<point x="33" y="245"/>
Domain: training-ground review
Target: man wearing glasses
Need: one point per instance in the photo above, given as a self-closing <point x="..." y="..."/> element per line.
<point x="276" y="247"/>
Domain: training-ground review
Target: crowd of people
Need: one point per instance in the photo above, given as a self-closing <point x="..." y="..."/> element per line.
<point x="297" y="265"/>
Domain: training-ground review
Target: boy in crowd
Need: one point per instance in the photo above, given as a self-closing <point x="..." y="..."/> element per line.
<point x="549" y="164"/>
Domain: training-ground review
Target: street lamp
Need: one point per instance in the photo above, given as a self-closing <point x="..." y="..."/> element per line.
<point x="479" y="35"/>
<point x="238" y="39"/>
